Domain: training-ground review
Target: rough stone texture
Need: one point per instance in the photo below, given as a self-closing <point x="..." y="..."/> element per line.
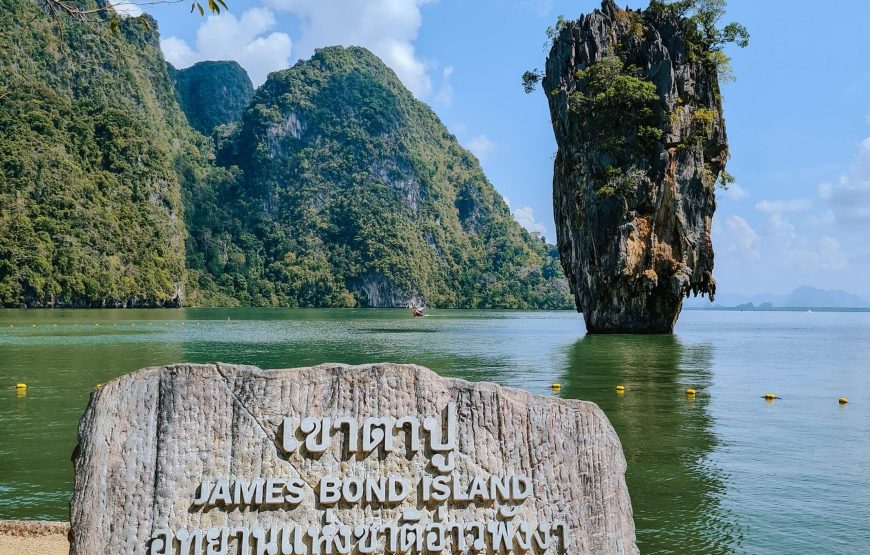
<point x="631" y="259"/>
<point x="148" y="438"/>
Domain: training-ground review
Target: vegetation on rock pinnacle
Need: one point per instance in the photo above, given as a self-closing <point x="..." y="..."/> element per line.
<point x="90" y="204"/>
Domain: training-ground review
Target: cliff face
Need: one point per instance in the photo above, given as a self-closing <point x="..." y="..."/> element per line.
<point x="641" y="144"/>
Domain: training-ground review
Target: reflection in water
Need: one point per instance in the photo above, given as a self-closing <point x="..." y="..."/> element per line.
<point x="666" y="435"/>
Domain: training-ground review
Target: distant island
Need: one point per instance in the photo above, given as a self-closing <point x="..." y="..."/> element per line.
<point x="802" y="297"/>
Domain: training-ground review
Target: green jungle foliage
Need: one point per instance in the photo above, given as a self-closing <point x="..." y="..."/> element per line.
<point x="623" y="115"/>
<point x="703" y="33"/>
<point x="90" y="207"/>
<point x="343" y="190"/>
<point x="336" y="188"/>
<point x="621" y="108"/>
<point x="212" y="93"/>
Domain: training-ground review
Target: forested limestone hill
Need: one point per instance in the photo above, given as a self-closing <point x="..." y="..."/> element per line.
<point x="354" y="193"/>
<point x="212" y="93"/>
<point x="90" y="204"/>
<point x="335" y="188"/>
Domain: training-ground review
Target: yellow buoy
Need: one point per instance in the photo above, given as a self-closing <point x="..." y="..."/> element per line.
<point x="556" y="386"/>
<point x="99" y="385"/>
<point x="843" y="401"/>
<point x="770" y="396"/>
<point x="690" y="392"/>
<point x="21" y="386"/>
<point x="620" y="388"/>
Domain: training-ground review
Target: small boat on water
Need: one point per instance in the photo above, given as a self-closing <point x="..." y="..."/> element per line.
<point x="416" y="311"/>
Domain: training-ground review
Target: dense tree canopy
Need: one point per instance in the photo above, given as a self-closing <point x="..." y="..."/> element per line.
<point x="351" y="192"/>
<point x="336" y="187"/>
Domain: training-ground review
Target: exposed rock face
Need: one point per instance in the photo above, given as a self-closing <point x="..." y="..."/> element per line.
<point x="148" y="439"/>
<point x="633" y="187"/>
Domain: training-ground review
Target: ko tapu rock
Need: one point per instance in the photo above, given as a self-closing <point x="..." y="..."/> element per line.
<point x="637" y="114"/>
<point x="336" y="459"/>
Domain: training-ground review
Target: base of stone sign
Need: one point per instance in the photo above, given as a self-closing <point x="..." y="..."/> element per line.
<point x="34" y="536"/>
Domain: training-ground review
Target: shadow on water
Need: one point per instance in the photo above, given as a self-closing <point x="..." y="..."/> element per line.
<point x="666" y="435"/>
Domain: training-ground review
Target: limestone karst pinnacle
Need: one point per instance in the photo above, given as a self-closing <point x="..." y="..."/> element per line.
<point x="637" y="116"/>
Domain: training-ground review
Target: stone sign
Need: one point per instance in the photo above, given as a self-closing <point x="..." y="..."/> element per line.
<point x="335" y="459"/>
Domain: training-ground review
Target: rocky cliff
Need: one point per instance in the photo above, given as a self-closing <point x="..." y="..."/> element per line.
<point x="636" y="110"/>
<point x="337" y="187"/>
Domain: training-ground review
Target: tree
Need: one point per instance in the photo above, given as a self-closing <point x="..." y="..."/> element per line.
<point x="702" y="32"/>
<point x="701" y="20"/>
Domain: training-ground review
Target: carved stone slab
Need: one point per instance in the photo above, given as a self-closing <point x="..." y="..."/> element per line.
<point x="343" y="459"/>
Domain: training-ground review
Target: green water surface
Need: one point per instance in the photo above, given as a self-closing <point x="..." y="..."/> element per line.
<point x="725" y="472"/>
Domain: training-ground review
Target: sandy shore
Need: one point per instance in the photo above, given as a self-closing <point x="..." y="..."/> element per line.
<point x="34" y="537"/>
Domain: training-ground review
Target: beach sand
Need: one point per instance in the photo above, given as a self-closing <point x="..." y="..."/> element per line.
<point x="33" y="537"/>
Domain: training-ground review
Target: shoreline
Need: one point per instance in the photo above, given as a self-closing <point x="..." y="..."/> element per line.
<point x="39" y="537"/>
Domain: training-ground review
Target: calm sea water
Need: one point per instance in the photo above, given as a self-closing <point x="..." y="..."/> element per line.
<point x="726" y="472"/>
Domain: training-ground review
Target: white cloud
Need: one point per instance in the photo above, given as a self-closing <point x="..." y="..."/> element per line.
<point x="177" y="52"/>
<point x="735" y="192"/>
<point x="799" y="252"/>
<point x="525" y="215"/>
<point x="540" y="8"/>
<point x="244" y="39"/>
<point x="481" y="146"/>
<point x="741" y="237"/>
<point x="127" y="8"/>
<point x="386" y="27"/>
<point x="782" y="229"/>
<point x="825" y="255"/>
<point x="849" y="198"/>
<point x="780" y="206"/>
<point x="445" y="91"/>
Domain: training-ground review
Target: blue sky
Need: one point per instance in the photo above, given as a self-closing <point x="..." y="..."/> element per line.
<point x="798" y="114"/>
